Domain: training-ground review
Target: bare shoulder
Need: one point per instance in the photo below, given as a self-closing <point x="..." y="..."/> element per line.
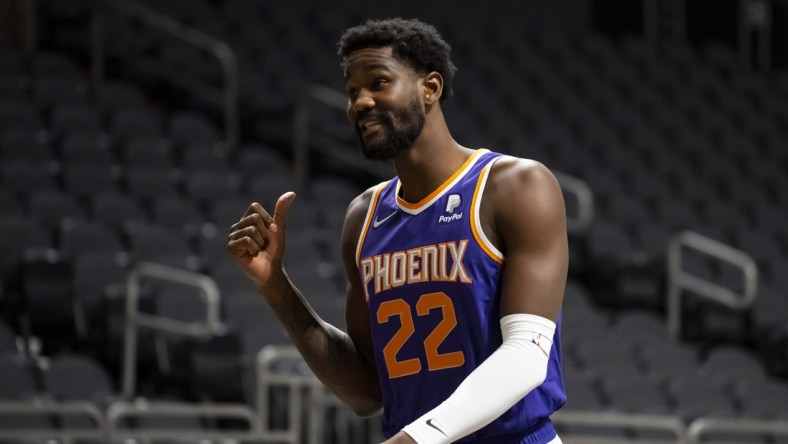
<point x="358" y="207"/>
<point x="522" y="175"/>
<point x="523" y="196"/>
<point x="354" y="221"/>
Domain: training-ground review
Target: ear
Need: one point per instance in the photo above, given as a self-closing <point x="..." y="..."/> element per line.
<point x="433" y="87"/>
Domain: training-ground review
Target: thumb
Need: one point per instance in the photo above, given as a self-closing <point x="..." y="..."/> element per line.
<point x="281" y="210"/>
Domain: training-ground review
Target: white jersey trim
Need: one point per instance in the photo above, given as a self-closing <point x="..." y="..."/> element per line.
<point x="481" y="237"/>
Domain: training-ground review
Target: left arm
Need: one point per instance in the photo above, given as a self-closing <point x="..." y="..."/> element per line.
<point x="523" y="214"/>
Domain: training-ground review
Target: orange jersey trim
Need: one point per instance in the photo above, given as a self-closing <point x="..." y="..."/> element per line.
<point x="368" y="220"/>
<point x="416" y="207"/>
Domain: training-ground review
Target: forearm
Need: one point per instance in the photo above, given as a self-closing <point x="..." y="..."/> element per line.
<point x="330" y="353"/>
<point x="516" y="368"/>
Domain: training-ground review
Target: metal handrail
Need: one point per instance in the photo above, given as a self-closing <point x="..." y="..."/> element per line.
<point x="679" y="279"/>
<point x="44" y="407"/>
<point x="121" y="410"/>
<point x="268" y="357"/>
<point x="580" y="223"/>
<point x="135" y="319"/>
<point x="602" y="420"/>
<point x="702" y="426"/>
<point x="227" y="96"/>
<point x="312" y="94"/>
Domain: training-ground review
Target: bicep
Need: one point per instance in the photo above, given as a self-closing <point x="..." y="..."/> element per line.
<point x="356" y="310"/>
<point x="532" y="224"/>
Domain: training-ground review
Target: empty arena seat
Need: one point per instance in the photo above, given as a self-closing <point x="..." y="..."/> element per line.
<point x="48" y="303"/>
<point x="17" y="235"/>
<point x="157" y="243"/>
<point x="19" y="114"/>
<point x="18" y="383"/>
<point x="53" y="207"/>
<point x="733" y="365"/>
<point x="74" y="377"/>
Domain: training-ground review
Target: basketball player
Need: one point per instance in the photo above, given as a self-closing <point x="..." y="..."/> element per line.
<point x="456" y="267"/>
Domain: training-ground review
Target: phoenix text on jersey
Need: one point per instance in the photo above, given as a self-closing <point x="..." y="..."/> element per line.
<point x="437" y="262"/>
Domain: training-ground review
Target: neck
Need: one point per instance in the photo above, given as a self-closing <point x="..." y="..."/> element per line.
<point x="433" y="158"/>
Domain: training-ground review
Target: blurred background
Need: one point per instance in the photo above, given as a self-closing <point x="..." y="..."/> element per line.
<point x="133" y="133"/>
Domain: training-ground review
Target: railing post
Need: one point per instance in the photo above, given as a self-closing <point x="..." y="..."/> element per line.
<point x="227" y="97"/>
<point x="97" y="47"/>
<point x="134" y="319"/>
<point x="679" y="279"/>
<point x="580" y="223"/>
<point x="129" y="370"/>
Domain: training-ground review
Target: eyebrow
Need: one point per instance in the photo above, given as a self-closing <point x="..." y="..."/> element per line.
<point x="372" y="67"/>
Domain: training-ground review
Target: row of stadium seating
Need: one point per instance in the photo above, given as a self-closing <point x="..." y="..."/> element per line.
<point x="93" y="182"/>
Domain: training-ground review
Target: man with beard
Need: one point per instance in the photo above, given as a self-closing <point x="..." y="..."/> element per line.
<point x="455" y="268"/>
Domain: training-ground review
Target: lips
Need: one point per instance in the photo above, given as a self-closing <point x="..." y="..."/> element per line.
<point x="367" y="125"/>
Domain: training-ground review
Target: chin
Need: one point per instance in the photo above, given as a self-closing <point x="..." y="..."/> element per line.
<point x="382" y="152"/>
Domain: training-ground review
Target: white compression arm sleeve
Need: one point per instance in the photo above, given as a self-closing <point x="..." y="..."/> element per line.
<point x="518" y="366"/>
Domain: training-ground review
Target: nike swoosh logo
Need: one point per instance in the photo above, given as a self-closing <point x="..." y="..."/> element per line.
<point x="429" y="423"/>
<point x="376" y="223"/>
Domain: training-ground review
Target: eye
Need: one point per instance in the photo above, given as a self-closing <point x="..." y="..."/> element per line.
<point x="379" y="83"/>
<point x="352" y="93"/>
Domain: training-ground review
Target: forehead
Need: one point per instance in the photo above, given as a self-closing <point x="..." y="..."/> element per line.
<point x="370" y="59"/>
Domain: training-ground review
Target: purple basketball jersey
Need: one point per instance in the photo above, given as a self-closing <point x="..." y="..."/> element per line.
<point x="433" y="285"/>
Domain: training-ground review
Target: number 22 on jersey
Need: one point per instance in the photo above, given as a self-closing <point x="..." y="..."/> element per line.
<point x="435" y="360"/>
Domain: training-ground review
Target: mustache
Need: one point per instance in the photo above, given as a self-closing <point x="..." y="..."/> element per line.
<point x="373" y="115"/>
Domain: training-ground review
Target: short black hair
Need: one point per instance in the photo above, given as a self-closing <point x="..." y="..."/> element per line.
<point x="412" y="41"/>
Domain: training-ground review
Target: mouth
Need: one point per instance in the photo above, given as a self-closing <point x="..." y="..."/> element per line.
<point x="367" y="126"/>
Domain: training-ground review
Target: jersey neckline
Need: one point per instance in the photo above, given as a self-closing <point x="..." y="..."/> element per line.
<point x="418" y="207"/>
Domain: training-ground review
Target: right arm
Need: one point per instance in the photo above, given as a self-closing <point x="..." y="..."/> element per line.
<point x="342" y="361"/>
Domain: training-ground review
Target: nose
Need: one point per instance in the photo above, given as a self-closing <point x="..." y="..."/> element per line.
<point x="363" y="102"/>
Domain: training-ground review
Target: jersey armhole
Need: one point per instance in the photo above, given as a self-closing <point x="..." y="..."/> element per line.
<point x="476" y="225"/>
<point x="373" y="203"/>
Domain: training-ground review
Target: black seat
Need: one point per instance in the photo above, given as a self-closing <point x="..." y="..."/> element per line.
<point x="185" y="127"/>
<point x="116" y="210"/>
<point x="199" y="155"/>
<point x="693" y="396"/>
<point x="26" y="177"/>
<point x="53" y="63"/>
<point x="19" y="114"/>
<point x="635" y="395"/>
<point x="18" y="234"/>
<point x="146" y="151"/>
<point x="764" y="399"/>
<point x="157" y="243"/>
<point x="86" y="148"/>
<point x="18" y="383"/>
<point x="145" y="183"/>
<point x="48" y="301"/>
<point x="82" y="180"/>
<point x="79" y="236"/>
<point x="26" y="145"/>
<point x="8" y="340"/>
<point x="733" y="365"/>
<point x="74" y="118"/>
<point x="78" y="377"/>
<point x="254" y="160"/>
<point x="115" y="94"/>
<point x="99" y="288"/>
<point x="126" y="123"/>
<point x="178" y="214"/>
<point x="207" y="187"/>
<point x="52" y="207"/>
<point x="53" y="91"/>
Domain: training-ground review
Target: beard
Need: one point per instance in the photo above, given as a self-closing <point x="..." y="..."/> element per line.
<point x="397" y="139"/>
